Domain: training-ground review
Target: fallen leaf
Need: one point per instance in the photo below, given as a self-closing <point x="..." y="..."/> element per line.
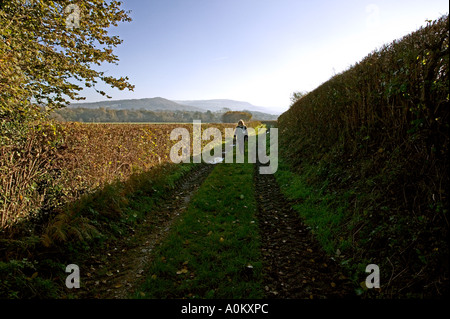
<point x="333" y="284"/>
<point x="182" y="271"/>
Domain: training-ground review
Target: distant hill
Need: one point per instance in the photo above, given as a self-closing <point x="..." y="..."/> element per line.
<point x="159" y="104"/>
<point x="148" y="104"/>
<point x="219" y="104"/>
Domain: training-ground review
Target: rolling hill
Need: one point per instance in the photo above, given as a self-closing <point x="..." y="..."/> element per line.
<point x="148" y="104"/>
<point x="219" y="104"/>
<point x="158" y="104"/>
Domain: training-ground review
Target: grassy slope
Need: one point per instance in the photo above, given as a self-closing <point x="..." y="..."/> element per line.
<point x="347" y="227"/>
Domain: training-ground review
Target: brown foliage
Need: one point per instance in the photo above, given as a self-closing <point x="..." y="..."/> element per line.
<point x="81" y="159"/>
<point x="24" y="164"/>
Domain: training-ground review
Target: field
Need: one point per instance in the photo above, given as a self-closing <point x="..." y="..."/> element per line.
<point x="78" y="159"/>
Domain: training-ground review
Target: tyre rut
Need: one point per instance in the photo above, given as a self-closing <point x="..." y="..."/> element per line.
<point x="117" y="272"/>
<point x="295" y="266"/>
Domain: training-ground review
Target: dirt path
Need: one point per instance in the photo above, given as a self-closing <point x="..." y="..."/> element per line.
<point x="295" y="267"/>
<point x="114" y="274"/>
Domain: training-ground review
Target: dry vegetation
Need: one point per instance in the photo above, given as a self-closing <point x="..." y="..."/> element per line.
<point x="57" y="163"/>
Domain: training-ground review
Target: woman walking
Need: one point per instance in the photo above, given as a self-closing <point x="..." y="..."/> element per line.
<point x="241" y="135"/>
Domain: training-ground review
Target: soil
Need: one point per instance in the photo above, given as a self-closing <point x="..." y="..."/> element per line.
<point x="295" y="266"/>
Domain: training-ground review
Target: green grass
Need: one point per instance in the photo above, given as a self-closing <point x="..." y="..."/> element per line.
<point x="213" y="250"/>
<point x="318" y="208"/>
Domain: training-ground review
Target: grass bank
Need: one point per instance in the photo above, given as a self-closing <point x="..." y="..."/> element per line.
<point x="357" y="228"/>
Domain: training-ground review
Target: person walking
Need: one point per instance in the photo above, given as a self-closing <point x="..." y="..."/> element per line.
<point x="241" y="135"/>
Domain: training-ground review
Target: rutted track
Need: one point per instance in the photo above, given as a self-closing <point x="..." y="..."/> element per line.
<point x="125" y="265"/>
<point x="295" y="267"/>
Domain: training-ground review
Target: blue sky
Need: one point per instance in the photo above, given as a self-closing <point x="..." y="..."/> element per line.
<point x="258" y="51"/>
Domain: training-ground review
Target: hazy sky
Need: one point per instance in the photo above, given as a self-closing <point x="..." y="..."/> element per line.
<point x="258" y="51"/>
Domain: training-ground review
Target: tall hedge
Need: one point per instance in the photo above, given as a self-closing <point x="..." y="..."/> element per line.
<point x="380" y="129"/>
<point x="397" y="95"/>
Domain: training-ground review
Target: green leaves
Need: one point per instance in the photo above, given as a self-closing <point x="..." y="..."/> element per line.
<point x="40" y="56"/>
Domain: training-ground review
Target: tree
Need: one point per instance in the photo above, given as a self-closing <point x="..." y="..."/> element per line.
<point x="234" y="116"/>
<point x="41" y="56"/>
<point x="45" y="58"/>
<point x="296" y="96"/>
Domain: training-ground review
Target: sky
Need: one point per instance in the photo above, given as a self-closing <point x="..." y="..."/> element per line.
<point x="257" y="51"/>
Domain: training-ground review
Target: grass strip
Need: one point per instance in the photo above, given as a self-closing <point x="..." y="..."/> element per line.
<point x="213" y="251"/>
